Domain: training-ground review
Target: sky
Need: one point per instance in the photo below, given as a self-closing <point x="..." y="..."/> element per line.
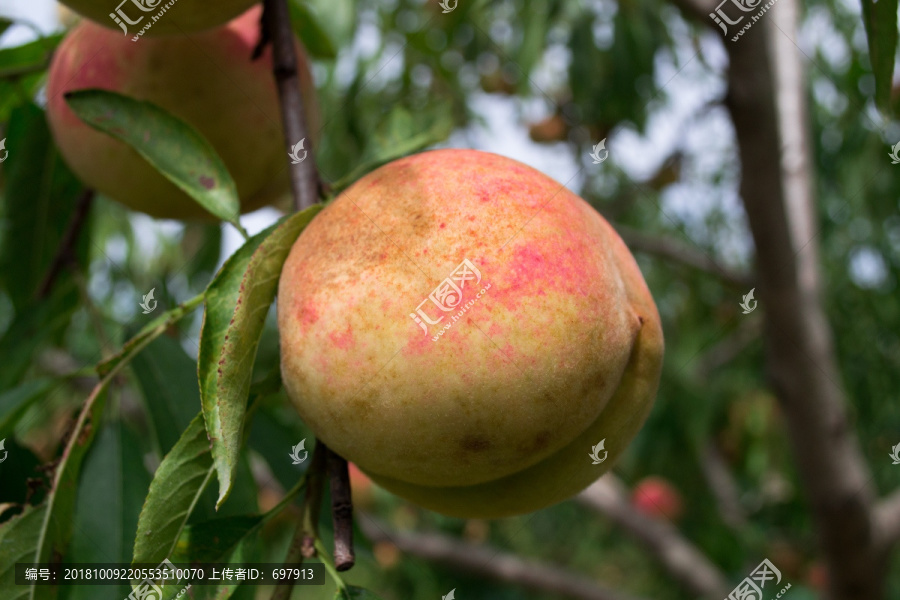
<point x="690" y="120"/>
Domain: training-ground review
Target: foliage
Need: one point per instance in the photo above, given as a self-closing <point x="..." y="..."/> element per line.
<point x="130" y="478"/>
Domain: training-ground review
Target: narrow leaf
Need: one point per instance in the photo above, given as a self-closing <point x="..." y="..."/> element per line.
<point x="39" y="198"/>
<point x="27" y="58"/>
<point x="237" y="302"/>
<point x="178" y="483"/>
<point x="16" y="402"/>
<point x="168" y="380"/>
<point x="880" y="19"/>
<point x="113" y="484"/>
<point x="56" y="529"/>
<point x="172" y="146"/>
<point x="19" y="543"/>
<point x="176" y="488"/>
<point x="227" y="540"/>
<point x="308" y="28"/>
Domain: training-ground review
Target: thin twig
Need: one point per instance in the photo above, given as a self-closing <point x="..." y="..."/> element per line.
<point x="303" y="543"/>
<point x="341" y="512"/>
<point x="481" y="560"/>
<point x="887" y="519"/>
<point x="65" y="255"/>
<point x="312" y="503"/>
<point x="683" y="561"/>
<point x="276" y="27"/>
<point x="676" y="251"/>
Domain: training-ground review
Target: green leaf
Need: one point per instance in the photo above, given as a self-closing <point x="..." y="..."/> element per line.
<point x="172" y="146"/>
<point x="399" y="137"/>
<point x="39" y="198"/>
<point x="177" y="485"/>
<point x="237" y="302"/>
<point x="19" y="543"/>
<point x="5" y="24"/>
<point x="168" y="380"/>
<point x="227" y="540"/>
<point x="16" y="402"/>
<point x="355" y="593"/>
<point x="175" y="492"/>
<point x="150" y="332"/>
<point x="113" y="484"/>
<point x="35" y="326"/>
<point x="880" y="19"/>
<point x="308" y="28"/>
<point x="27" y="58"/>
<point x="56" y="529"/>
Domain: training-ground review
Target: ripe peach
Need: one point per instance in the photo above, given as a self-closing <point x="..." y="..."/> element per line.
<point x="484" y="397"/>
<point x="207" y="80"/>
<point x="172" y="17"/>
<point x="656" y="497"/>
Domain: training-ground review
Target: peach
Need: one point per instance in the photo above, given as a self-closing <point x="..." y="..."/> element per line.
<point x="466" y="330"/>
<point x="171" y="16"/>
<point x="656" y="497"/>
<point x="208" y="80"/>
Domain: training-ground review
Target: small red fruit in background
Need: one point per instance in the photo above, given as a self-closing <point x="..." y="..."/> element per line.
<point x="361" y="487"/>
<point x="656" y="497"/>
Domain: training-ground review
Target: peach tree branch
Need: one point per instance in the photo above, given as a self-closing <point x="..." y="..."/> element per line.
<point x="488" y="562"/>
<point x="767" y="102"/>
<point x="676" y="251"/>
<point x="276" y="27"/>
<point x="683" y="561"/>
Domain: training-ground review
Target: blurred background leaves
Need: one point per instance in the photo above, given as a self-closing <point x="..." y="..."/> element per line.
<point x="541" y="82"/>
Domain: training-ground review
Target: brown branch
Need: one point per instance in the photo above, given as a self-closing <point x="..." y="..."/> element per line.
<point x="730" y="348"/>
<point x="767" y="101"/>
<point x="341" y="512"/>
<point x="674" y="250"/>
<point x="65" y="255"/>
<point x="698" y="9"/>
<point x="681" y="559"/>
<point x="276" y="26"/>
<point x="489" y="562"/>
<point x="303" y="543"/>
<point x="723" y="486"/>
<point x="312" y="503"/>
<point x="887" y="519"/>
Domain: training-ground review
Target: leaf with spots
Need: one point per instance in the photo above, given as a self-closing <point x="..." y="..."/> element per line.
<point x="172" y="146"/>
<point x="237" y="302"/>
